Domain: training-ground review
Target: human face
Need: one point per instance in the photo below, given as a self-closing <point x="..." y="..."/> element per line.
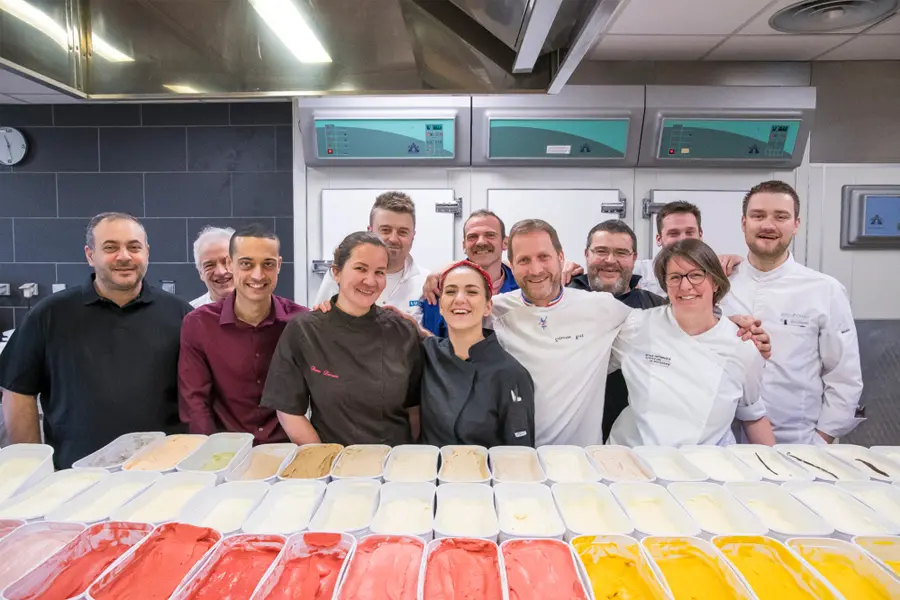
<point x="537" y="267"/>
<point x="610" y="262"/>
<point x="120" y="254"/>
<point x="770" y="224"/>
<point x="464" y="303"/>
<point x="482" y="241"/>
<point x="397" y="231"/>
<point x="678" y="226"/>
<point x="255" y="266"/>
<point x="214" y="269"/>
<point x="689" y="287"/>
<point x="362" y="279"/>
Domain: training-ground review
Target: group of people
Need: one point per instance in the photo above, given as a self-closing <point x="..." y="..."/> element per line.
<point x="511" y="346"/>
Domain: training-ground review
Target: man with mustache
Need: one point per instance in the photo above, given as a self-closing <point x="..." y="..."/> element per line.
<point x="211" y="257"/>
<point x="813" y="382"/>
<point x="226" y="347"/>
<point x="103" y="356"/>
<point x="393" y="219"/>
<point x="610" y="255"/>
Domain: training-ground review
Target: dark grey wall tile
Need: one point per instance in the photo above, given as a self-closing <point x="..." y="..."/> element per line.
<point x="261" y="113"/>
<point x="195" y="225"/>
<point x="25" y="115"/>
<point x="16" y="274"/>
<point x="168" y="240"/>
<point x="142" y="149"/>
<point x="263" y="194"/>
<point x="97" y="114"/>
<point x="6" y="240"/>
<point x="285" y="230"/>
<point x="231" y="148"/>
<point x="194" y="113"/>
<point x="49" y="240"/>
<point x="7" y="318"/>
<point x="73" y="274"/>
<point x="27" y="195"/>
<point x="188" y="194"/>
<point x="187" y="280"/>
<point x="285" y="287"/>
<point x="87" y="194"/>
<point x="284" y="148"/>
<point x="21" y="313"/>
<point x="60" y="149"/>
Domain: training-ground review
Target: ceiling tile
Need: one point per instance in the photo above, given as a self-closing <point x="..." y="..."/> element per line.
<point x="892" y="25"/>
<point x="776" y="47"/>
<point x="867" y="47"/>
<point x="760" y="25"/>
<point x="687" y="17"/>
<point x="45" y="98"/>
<point x="653" y="47"/>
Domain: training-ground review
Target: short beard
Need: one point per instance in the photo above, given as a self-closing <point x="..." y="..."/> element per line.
<point x="598" y="285"/>
<point x="112" y="285"/>
<point x="779" y="250"/>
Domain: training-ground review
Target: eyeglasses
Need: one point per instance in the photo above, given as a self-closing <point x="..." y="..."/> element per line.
<point x="696" y="277"/>
<point x="618" y="253"/>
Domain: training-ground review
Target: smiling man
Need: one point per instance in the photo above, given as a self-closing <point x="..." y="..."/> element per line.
<point x="226" y="347"/>
<point x="102" y="356"/>
<point x="211" y="259"/>
<point x="813" y="382"/>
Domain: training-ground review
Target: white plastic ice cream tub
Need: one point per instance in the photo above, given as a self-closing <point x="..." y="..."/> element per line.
<point x="769" y="463"/>
<point x="275" y="451"/>
<point x="669" y="464"/>
<point x="348" y="507"/>
<point x="287" y="508"/>
<point x="97" y="503"/>
<point x="820" y="463"/>
<point x="164" y="500"/>
<point x="406" y="509"/>
<point x="419" y="457"/>
<point x="567" y="464"/>
<point x="466" y="510"/>
<point x="113" y="455"/>
<point x="224" y="507"/>
<point x="653" y="511"/>
<point x="590" y="509"/>
<point x="719" y="464"/>
<point x="22" y="466"/>
<point x="848" y="516"/>
<point x="50" y="493"/>
<point x="237" y="445"/>
<point x="782" y="514"/>
<point x="527" y="510"/>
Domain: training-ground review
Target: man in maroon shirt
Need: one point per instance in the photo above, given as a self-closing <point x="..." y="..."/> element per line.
<point x="226" y="346"/>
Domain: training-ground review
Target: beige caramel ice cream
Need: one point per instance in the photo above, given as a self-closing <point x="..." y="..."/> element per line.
<point x="412" y="466"/>
<point x="617" y="464"/>
<point x="361" y="461"/>
<point x="163" y="458"/>
<point x="517" y="466"/>
<point x="262" y="466"/>
<point x="464" y="464"/>
<point x="14" y="472"/>
<point x="312" y="462"/>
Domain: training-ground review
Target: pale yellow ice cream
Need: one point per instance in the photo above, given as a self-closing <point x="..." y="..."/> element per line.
<point x="14" y="472"/>
<point x="617" y="464"/>
<point x="403" y="516"/>
<point x="166" y="505"/>
<point x="464" y="465"/>
<point x="163" y="458"/>
<point x="466" y="517"/>
<point x="361" y="461"/>
<point x="710" y="514"/>
<point x="773" y="517"/>
<point x="650" y="515"/>
<point x="516" y="467"/>
<point x="37" y="502"/>
<point x="567" y="466"/>
<point x="589" y="512"/>
<point x="528" y="517"/>
<point x="411" y="466"/>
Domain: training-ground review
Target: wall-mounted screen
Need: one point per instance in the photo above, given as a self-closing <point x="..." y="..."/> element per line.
<point x="575" y="139"/>
<point x="728" y="139"/>
<point x="402" y="139"/>
<point x="882" y="216"/>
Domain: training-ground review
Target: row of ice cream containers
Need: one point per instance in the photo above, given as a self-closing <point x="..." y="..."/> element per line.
<point x="133" y="561"/>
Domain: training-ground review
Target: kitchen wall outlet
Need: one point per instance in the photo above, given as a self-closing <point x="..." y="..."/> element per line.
<point x="58" y="287"/>
<point x="4" y="289"/>
<point x="168" y="286"/>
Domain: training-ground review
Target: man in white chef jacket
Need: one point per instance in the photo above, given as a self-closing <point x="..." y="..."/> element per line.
<point x="393" y="219"/>
<point x="813" y="382"/>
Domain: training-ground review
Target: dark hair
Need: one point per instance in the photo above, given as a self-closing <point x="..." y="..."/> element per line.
<point x="253" y="230"/>
<point x="613" y="226"/>
<point x="483" y="212"/>
<point x="109" y="216"/>
<point x="693" y="251"/>
<point x="467" y="264"/>
<point x="349" y="244"/>
<point x="773" y="187"/>
<point x="530" y="226"/>
<point x="674" y="208"/>
<point x="397" y="202"/>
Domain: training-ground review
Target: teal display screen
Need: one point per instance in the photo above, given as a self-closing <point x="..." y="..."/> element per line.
<point x="574" y="139"/>
<point x="728" y="139"/>
<point x="402" y="139"/>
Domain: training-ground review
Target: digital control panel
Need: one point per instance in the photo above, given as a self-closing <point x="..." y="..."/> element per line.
<point x="870" y="217"/>
<point x="401" y="139"/>
<point x="575" y="139"/>
<point x="728" y="139"/>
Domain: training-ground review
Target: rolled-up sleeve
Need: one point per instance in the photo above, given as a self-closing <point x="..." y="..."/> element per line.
<point x="841" y="371"/>
<point x="194" y="379"/>
<point x="286" y="388"/>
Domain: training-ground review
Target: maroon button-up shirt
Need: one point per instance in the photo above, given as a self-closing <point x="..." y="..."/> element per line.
<point x="222" y="369"/>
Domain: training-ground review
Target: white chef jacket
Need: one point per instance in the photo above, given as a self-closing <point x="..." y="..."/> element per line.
<point x="813" y="379"/>
<point x="204" y="299"/>
<point x="566" y="349"/>
<point x="644" y="268"/>
<point x="684" y="389"/>
<point x="403" y="289"/>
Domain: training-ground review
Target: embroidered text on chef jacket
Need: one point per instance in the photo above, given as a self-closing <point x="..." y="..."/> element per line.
<point x="403" y="289"/>
<point x="566" y="348"/>
<point x="813" y="379"/>
<point x="684" y="389"/>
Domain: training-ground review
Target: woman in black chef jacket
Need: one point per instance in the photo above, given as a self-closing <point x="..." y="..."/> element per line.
<point x="473" y="391"/>
<point x="358" y="366"/>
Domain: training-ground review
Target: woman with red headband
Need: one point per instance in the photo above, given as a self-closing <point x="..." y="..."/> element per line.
<point x="473" y="391"/>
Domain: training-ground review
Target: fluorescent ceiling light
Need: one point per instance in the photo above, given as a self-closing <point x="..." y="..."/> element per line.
<point x="45" y="24"/>
<point x="291" y="28"/>
<point x="181" y="89"/>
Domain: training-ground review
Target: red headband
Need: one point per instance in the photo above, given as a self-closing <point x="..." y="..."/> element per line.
<point x="471" y="265"/>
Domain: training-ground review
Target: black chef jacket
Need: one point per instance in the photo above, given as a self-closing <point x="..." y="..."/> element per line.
<point x="359" y="374"/>
<point x="616" y="390"/>
<point x="487" y="400"/>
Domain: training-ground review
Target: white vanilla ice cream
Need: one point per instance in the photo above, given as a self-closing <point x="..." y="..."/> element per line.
<point x="567" y="466"/>
<point x="651" y="515"/>
<point x="588" y="512"/>
<point x="14" y="472"/>
<point x="527" y="516"/>
<point x="842" y="513"/>
<point x="346" y="512"/>
<point x="717" y="465"/>
<point x="37" y="502"/>
<point x="618" y="464"/>
<point x="290" y="512"/>
<point x="881" y="501"/>
<point x="466" y="517"/>
<point x="773" y="516"/>
<point x="165" y="505"/>
<point x="229" y="514"/>
<point x="412" y="467"/>
<point x="668" y="468"/>
<point x="710" y="514"/>
<point x="403" y="516"/>
<point x="769" y="465"/>
<point x="101" y="507"/>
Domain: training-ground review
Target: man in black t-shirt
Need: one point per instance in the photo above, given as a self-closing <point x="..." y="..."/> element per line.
<point x="102" y="356"/>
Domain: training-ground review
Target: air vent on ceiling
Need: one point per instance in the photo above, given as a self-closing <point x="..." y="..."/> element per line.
<point x="823" y="16"/>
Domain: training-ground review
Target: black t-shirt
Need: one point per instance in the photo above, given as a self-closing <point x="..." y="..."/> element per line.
<point x="359" y="374"/>
<point x="101" y="370"/>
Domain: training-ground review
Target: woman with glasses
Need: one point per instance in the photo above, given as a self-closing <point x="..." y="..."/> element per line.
<point x="689" y="374"/>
